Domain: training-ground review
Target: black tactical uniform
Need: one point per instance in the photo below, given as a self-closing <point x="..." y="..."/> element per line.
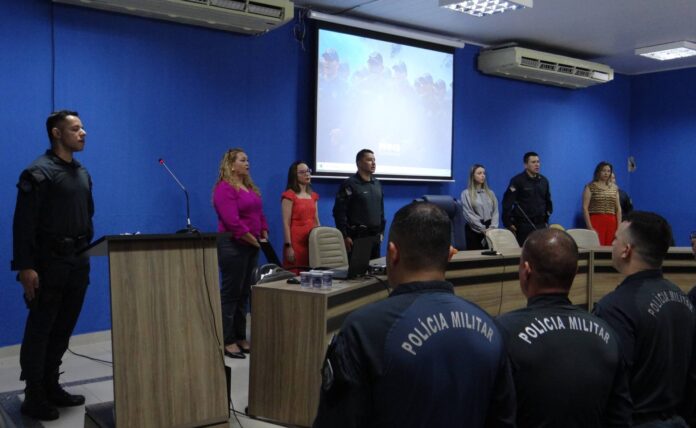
<point x="421" y="358"/>
<point x="359" y="209"/>
<point x="655" y="323"/>
<point x="52" y="221"/>
<point x="567" y="366"/>
<point x="530" y="196"/>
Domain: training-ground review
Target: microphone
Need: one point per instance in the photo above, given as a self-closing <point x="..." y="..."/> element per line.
<point x="189" y="228"/>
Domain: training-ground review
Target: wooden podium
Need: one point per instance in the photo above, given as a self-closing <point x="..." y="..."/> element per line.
<point x="166" y="331"/>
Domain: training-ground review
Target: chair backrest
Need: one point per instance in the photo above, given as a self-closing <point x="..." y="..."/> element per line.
<point x="499" y="239"/>
<point x="556" y="226"/>
<point x="326" y="248"/>
<point x="455" y="212"/>
<point x="268" y="273"/>
<point x="585" y="238"/>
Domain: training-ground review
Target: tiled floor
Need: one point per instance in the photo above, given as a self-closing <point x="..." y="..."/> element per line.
<point x="93" y="379"/>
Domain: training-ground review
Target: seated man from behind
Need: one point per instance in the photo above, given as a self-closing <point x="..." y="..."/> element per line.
<point x="423" y="357"/>
<point x="655" y="323"/>
<point x="566" y="362"/>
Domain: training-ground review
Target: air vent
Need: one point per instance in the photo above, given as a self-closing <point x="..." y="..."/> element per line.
<point x="228" y="4"/>
<point x="567" y="69"/>
<point x="547" y="66"/>
<point x="529" y="62"/>
<point x="240" y="16"/>
<point x="515" y="62"/>
<point x="583" y="72"/>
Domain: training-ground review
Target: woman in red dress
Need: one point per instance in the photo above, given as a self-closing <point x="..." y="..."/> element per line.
<point x="300" y="215"/>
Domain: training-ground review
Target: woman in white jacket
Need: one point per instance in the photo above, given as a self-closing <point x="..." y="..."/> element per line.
<point x="480" y="208"/>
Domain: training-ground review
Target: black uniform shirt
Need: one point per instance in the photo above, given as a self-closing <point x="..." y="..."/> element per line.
<point x="567" y="366"/>
<point x="655" y="323"/>
<point x="532" y="194"/>
<point x="359" y="203"/>
<point x="421" y="358"/>
<point x="54" y="200"/>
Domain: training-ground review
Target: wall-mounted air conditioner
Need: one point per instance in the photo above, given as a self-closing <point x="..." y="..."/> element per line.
<point x="541" y="67"/>
<point x="239" y="16"/>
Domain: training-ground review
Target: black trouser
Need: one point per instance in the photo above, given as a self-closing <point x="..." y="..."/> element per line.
<point x="524" y="229"/>
<point x="237" y="262"/>
<point x="376" y="244"/>
<point x="53" y="314"/>
<point x="475" y="240"/>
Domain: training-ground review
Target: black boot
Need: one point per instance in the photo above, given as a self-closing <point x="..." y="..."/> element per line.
<point x="60" y="397"/>
<point x="36" y="405"/>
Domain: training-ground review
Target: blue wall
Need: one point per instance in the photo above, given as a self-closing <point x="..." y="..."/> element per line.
<point x="148" y="89"/>
<point x="663" y="141"/>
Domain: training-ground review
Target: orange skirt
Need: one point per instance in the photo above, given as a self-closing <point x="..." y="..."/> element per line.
<point x="605" y="225"/>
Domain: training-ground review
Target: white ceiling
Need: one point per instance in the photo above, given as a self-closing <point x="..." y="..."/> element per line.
<point x="604" y="31"/>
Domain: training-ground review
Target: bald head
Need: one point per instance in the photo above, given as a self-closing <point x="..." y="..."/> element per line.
<point x="552" y="256"/>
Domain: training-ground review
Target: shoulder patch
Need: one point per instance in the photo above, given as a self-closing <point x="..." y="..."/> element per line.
<point x="512" y="188"/>
<point x="29" y="179"/>
<point x="348" y="190"/>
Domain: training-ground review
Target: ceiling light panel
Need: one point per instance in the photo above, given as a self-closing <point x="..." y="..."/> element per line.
<point x="485" y="7"/>
<point x="668" y="51"/>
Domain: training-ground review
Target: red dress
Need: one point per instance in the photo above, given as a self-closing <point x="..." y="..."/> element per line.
<point x="301" y="223"/>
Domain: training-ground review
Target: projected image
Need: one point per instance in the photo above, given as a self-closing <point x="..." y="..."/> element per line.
<point x="395" y="99"/>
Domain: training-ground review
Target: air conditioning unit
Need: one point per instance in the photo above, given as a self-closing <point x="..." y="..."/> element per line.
<point x="535" y="66"/>
<point x="239" y="16"/>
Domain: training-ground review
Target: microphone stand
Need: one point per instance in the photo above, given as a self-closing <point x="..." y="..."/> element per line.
<point x="525" y="216"/>
<point x="189" y="227"/>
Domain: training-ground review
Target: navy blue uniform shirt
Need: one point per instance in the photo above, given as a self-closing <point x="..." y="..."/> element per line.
<point x="359" y="203"/>
<point x="421" y="358"/>
<point x="567" y="366"/>
<point x="54" y="200"/>
<point x="532" y="194"/>
<point x="655" y="323"/>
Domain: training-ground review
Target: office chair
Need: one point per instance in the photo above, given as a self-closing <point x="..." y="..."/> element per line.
<point x="455" y="212"/>
<point x="499" y="239"/>
<point x="269" y="272"/>
<point x="326" y="248"/>
<point x="585" y="238"/>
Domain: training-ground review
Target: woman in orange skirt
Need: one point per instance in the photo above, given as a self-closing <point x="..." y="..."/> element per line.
<point x="600" y="204"/>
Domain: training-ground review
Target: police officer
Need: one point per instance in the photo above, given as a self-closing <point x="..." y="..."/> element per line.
<point x="655" y="323"/>
<point x="527" y="200"/>
<point x="359" y="207"/>
<point x="566" y="362"/>
<point x="422" y="357"/>
<point x="52" y="222"/>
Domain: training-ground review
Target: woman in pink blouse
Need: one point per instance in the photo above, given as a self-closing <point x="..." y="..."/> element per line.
<point x="238" y="204"/>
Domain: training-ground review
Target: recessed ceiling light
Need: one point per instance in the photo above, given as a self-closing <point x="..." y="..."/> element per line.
<point x="668" y="51"/>
<point x="485" y="7"/>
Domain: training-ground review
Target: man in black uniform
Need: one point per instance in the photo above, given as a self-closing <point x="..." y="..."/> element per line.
<point x="52" y="221"/>
<point x="359" y="207"/>
<point x="423" y="357"/>
<point x="655" y="323"/>
<point x="566" y="362"/>
<point x="527" y="200"/>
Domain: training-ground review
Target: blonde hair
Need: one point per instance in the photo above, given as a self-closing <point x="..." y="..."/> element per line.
<point x="226" y="174"/>
<point x="471" y="187"/>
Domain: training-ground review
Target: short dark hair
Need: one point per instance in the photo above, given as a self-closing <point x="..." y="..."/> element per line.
<point x="362" y="153"/>
<point x="650" y="235"/>
<point x="553" y="256"/>
<point x="598" y="170"/>
<point x="292" y="183"/>
<point x="55" y="119"/>
<point x="422" y="231"/>
<point x="528" y="155"/>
